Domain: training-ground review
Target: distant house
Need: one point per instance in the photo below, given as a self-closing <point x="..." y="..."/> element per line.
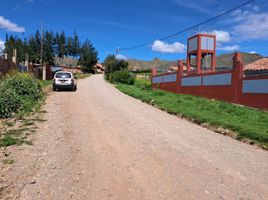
<point x="261" y="64"/>
<point x="259" y="67"/>
<point x="172" y="69"/>
<point x="76" y="69"/>
<point x="99" y="68"/>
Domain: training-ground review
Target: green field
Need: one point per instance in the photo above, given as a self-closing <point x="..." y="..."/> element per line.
<point x="245" y="123"/>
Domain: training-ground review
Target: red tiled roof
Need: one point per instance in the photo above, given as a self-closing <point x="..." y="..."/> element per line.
<point x="100" y="66"/>
<point x="261" y="64"/>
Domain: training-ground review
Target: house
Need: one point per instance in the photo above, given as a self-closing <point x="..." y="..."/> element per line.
<point x="99" y="68"/>
<point x="259" y="67"/>
<point x="261" y="64"/>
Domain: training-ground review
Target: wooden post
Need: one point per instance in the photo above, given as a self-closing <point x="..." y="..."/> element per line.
<point x="44" y="72"/>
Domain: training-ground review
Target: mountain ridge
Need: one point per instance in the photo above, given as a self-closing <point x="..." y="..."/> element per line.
<point x="223" y="60"/>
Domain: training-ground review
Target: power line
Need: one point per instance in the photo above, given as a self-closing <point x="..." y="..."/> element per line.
<point x="190" y="28"/>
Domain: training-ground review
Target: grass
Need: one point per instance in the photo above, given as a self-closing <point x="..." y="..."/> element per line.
<point x="25" y="126"/>
<point x="8" y="140"/>
<point x="246" y="123"/>
<point x="8" y="161"/>
<point x="9" y="123"/>
<point x="21" y="123"/>
<point x="15" y="137"/>
<point x="81" y="75"/>
<point x="45" y="83"/>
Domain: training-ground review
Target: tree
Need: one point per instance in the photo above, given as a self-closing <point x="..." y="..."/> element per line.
<point x="48" y="55"/>
<point x="19" y="46"/>
<point x="13" y="43"/>
<point x="69" y="47"/>
<point x="61" y="45"/>
<point x="54" y="45"/>
<point x="9" y="45"/>
<point x="33" y="50"/>
<point x="88" y="57"/>
<point x="112" y="64"/>
<point x="76" y="45"/>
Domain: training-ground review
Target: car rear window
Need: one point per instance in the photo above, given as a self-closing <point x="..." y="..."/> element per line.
<point x="63" y="75"/>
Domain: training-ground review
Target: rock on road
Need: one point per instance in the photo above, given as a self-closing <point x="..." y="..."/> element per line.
<point x="98" y="143"/>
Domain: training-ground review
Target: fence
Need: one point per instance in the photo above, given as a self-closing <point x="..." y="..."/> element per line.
<point x="6" y="66"/>
<point x="228" y="85"/>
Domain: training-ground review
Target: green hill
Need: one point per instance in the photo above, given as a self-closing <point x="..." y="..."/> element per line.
<point x="225" y="60"/>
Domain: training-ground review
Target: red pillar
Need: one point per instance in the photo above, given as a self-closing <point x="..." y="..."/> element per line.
<point x="237" y="78"/>
<point x="179" y="75"/>
<point x="153" y="73"/>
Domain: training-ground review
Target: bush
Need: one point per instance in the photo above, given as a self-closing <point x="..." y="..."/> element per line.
<point x="122" y="76"/>
<point x="18" y="93"/>
<point x="112" y="64"/>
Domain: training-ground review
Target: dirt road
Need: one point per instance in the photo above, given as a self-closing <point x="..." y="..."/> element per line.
<point x="98" y="143"/>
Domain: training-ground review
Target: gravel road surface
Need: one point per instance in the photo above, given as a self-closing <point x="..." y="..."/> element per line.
<point x="98" y="143"/>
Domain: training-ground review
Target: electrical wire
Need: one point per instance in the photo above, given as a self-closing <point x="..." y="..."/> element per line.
<point x="189" y="28"/>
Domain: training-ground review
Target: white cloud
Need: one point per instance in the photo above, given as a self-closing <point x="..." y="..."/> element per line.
<point x="250" y="24"/>
<point x="229" y="48"/>
<point x="121" y="57"/>
<point x="222" y="36"/>
<point x="176" y="47"/>
<point x="10" y="26"/>
<point x="252" y="27"/>
<point x="204" y="7"/>
<point x="253" y="52"/>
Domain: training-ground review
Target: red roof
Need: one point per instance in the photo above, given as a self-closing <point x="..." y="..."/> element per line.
<point x="261" y="64"/>
<point x="98" y="65"/>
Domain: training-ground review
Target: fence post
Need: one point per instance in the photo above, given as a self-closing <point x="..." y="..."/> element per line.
<point x="179" y="75"/>
<point x="44" y="74"/>
<point x="237" y="77"/>
<point x="153" y="73"/>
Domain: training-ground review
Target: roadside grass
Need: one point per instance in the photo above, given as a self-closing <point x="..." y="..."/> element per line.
<point x="8" y="161"/>
<point x="16" y="136"/>
<point x="8" y="140"/>
<point x="15" y="127"/>
<point x="245" y="124"/>
<point x="45" y="83"/>
<point x="82" y="75"/>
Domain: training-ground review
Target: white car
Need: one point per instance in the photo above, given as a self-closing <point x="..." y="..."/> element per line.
<point x="64" y="81"/>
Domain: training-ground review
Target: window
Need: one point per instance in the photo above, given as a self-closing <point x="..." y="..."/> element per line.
<point x="63" y="75"/>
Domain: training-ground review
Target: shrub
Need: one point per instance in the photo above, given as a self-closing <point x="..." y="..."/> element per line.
<point x="24" y="84"/>
<point x="112" y="64"/>
<point x="18" y="93"/>
<point x="122" y="76"/>
<point x="9" y="102"/>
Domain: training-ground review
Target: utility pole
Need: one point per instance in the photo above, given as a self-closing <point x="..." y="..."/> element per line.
<point x="41" y="56"/>
<point x="117" y="53"/>
<point x="42" y="44"/>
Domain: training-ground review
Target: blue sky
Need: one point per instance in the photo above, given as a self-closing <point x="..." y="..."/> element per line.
<point x="125" y="23"/>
